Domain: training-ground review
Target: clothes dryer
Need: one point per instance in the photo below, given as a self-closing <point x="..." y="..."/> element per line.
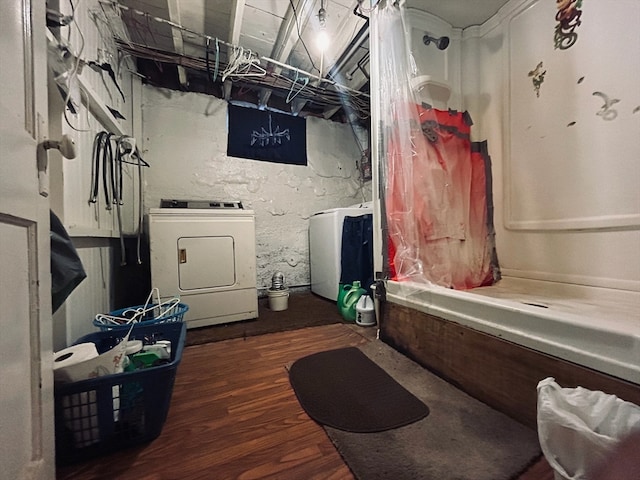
<point x="206" y="256"/>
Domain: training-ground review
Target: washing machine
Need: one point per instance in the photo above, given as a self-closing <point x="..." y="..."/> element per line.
<point x="205" y="253"/>
<point x="325" y="247"/>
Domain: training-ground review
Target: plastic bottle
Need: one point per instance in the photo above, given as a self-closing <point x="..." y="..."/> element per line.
<point x="365" y="314"/>
<point x="348" y="300"/>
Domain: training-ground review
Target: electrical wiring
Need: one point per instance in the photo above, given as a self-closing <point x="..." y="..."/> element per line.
<point x="242" y="70"/>
<point x="295" y="16"/>
<point x="331" y="95"/>
<point x="73" y="74"/>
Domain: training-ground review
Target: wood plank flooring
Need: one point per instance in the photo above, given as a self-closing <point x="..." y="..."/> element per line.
<point x="234" y="416"/>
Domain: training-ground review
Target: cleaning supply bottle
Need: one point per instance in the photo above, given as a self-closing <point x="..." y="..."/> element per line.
<point x="365" y="315"/>
<point x="342" y="291"/>
<point x="348" y="300"/>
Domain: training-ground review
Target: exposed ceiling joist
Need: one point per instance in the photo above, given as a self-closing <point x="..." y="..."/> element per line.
<point x="287" y="39"/>
<point x="178" y="45"/>
<point x="169" y="37"/>
<point x="235" y="29"/>
<point x="235" y="22"/>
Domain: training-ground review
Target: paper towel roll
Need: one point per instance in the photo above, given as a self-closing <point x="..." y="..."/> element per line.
<point x="86" y="364"/>
<point x="67" y="358"/>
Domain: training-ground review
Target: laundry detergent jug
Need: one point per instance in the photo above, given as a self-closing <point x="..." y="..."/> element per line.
<point x="348" y="298"/>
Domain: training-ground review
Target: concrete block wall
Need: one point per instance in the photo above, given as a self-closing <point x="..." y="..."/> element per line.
<point x="185" y="141"/>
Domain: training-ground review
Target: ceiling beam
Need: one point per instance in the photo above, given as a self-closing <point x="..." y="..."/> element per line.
<point x="331" y="111"/>
<point x="176" y="34"/>
<point x="235" y="22"/>
<point x="235" y="27"/>
<point x="287" y="39"/>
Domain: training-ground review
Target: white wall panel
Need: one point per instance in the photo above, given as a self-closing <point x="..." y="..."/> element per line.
<point x="92" y="296"/>
<point x="441" y="65"/>
<point x="90" y="39"/>
<point x="575" y="177"/>
<point x="572" y="162"/>
<point x="90" y="225"/>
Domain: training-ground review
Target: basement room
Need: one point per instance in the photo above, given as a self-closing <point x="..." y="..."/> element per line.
<point x="320" y="239"/>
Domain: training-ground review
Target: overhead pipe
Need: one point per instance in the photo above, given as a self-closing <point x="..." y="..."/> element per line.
<point x="286" y="39"/>
<point x="350" y="51"/>
<point x="358" y="14"/>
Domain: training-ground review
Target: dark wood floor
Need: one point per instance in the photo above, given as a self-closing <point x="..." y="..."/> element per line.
<point x="304" y="309"/>
<point x="234" y="416"/>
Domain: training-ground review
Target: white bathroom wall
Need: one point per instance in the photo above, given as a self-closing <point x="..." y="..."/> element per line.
<point x="442" y="66"/>
<point x="565" y="178"/>
<point x="94" y="293"/>
<point x="185" y="141"/>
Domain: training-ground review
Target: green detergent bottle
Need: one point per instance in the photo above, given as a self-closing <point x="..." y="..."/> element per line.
<point x="342" y="291"/>
<point x="348" y="297"/>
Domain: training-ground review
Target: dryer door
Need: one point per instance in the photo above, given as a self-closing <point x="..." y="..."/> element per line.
<point x="206" y="262"/>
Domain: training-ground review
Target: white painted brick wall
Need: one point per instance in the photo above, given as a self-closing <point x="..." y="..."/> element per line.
<point x="185" y="141"/>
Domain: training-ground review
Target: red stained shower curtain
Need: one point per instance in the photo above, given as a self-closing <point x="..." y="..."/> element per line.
<point x="437" y="204"/>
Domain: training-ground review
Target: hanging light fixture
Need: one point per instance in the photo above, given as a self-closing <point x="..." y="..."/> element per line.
<point x="322" y="15"/>
<point x="322" y="40"/>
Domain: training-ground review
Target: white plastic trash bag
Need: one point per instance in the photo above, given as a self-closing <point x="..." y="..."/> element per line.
<point x="577" y="427"/>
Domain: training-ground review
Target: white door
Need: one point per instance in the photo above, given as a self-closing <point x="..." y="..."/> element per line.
<point x="206" y="262"/>
<point x="26" y="385"/>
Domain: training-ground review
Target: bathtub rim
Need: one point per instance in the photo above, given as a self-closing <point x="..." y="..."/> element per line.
<point x="613" y="349"/>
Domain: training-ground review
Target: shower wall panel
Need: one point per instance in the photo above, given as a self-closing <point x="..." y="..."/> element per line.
<point x="560" y="112"/>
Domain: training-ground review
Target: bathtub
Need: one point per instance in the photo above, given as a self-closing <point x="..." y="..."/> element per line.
<point x="594" y="327"/>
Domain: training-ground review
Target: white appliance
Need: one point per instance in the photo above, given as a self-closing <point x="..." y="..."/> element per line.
<point x="325" y="247"/>
<point x="207" y="256"/>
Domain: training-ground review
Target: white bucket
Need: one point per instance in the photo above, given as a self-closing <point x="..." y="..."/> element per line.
<point x="278" y="299"/>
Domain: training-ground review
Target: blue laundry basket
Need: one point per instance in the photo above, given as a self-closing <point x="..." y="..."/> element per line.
<point x="97" y="416"/>
<point x="176" y="314"/>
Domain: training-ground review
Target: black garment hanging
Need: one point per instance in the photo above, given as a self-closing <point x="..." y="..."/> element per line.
<point x="66" y="267"/>
<point x="356" y="259"/>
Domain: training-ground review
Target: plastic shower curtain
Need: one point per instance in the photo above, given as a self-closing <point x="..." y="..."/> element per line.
<point x="436" y="182"/>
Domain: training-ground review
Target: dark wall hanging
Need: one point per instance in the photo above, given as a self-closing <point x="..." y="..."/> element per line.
<point x="268" y="136"/>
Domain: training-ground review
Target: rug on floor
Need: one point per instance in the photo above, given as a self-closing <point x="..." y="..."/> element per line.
<point x="304" y="309"/>
<point x="461" y="439"/>
<point x="346" y="390"/>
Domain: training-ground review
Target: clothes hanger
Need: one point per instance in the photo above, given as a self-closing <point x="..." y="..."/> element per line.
<point x="304" y="82"/>
<point x="234" y="55"/>
<point x="217" y="61"/>
<point x="159" y="310"/>
<point x="250" y="65"/>
<point x="244" y="63"/>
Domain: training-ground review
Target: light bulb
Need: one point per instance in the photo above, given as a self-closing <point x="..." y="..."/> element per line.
<point x="322" y="40"/>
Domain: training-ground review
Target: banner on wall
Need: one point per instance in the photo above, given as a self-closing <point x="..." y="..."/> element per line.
<point x="268" y="136"/>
